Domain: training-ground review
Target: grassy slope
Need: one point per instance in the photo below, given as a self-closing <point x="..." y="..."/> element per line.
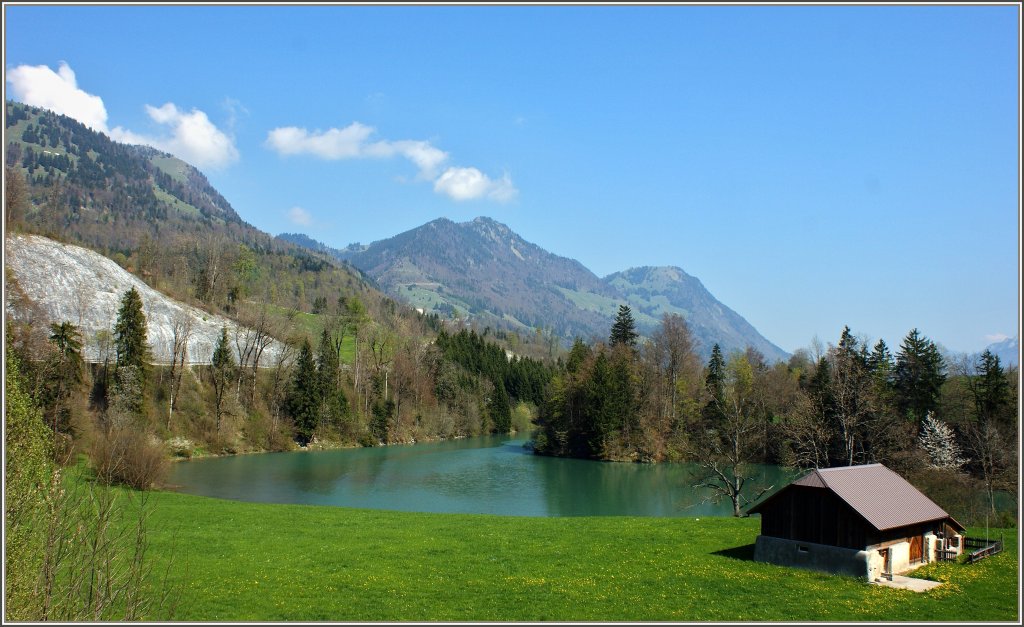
<point x="256" y="562"/>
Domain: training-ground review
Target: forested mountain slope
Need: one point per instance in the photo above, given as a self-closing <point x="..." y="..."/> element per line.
<point x="483" y="270"/>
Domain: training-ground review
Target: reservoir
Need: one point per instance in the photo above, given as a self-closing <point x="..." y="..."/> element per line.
<point x="485" y="475"/>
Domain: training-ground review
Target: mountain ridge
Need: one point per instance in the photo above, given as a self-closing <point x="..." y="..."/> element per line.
<point x="483" y="269"/>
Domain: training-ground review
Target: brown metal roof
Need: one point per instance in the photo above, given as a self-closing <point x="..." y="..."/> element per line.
<point x="811" y="480"/>
<point x="882" y="497"/>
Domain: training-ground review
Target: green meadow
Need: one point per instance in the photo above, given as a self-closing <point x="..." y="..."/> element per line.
<point x="236" y="561"/>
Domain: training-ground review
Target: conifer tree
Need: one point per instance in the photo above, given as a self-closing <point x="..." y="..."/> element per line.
<point x="333" y="404"/>
<point x="132" y="352"/>
<point x="992" y="392"/>
<point x="624" y="328"/>
<point x="714" y="382"/>
<point x="303" y="399"/>
<point x="880" y="367"/>
<point x="222" y="371"/>
<point x="918" y="376"/>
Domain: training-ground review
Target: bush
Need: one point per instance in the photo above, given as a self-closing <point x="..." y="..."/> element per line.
<point x="123" y="455"/>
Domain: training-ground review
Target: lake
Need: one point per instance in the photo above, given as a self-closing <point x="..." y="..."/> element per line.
<point x="487" y="475"/>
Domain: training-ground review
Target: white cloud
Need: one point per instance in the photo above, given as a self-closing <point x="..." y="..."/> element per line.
<point x="300" y="216"/>
<point x="343" y="143"/>
<point x="192" y="137"/>
<point x="471" y="184"/>
<point x="996" y="337"/>
<point x="352" y="142"/>
<point x="39" y="86"/>
<point x="426" y="157"/>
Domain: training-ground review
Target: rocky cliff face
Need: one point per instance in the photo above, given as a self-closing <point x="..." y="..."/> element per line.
<point x="76" y="284"/>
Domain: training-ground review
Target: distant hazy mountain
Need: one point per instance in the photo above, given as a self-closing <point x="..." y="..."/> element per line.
<point x="1008" y="351"/>
<point x="485" y="270"/>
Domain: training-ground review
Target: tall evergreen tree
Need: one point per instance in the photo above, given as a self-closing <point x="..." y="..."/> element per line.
<point x="624" y="328"/>
<point x="303" y="399"/>
<point x="130" y="331"/>
<point x="132" y="352"/>
<point x="64" y="370"/>
<point x="992" y="391"/>
<point x="714" y="382"/>
<point x="577" y="356"/>
<point x="333" y="404"/>
<point x="880" y="361"/>
<point x="222" y="371"/>
<point x="918" y="376"/>
<point x="499" y="410"/>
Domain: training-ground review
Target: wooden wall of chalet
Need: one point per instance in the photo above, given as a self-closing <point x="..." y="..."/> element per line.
<point x="807" y="514"/>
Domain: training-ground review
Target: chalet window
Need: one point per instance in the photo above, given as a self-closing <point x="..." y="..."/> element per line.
<point x="801" y="548"/>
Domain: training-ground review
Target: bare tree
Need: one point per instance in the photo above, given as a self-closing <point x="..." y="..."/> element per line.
<point x="849" y="387"/>
<point x="181" y="333"/>
<point x="991" y="455"/>
<point x="16" y="197"/>
<point x="671" y="350"/>
<point x="808" y="434"/>
<point x="725" y="452"/>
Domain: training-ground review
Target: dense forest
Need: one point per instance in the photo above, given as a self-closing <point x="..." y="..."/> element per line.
<point x="949" y="423"/>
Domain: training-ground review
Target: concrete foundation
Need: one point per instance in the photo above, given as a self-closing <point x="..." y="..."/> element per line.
<point x="821" y="557"/>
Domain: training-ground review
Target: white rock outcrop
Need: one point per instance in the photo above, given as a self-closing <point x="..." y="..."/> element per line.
<point x="81" y="286"/>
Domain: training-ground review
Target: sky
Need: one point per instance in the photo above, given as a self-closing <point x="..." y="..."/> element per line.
<point x="814" y="166"/>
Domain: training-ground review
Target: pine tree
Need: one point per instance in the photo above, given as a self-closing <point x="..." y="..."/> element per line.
<point x="880" y="368"/>
<point x="849" y="348"/>
<point x="130" y="332"/>
<point x="303" y="399"/>
<point x="498" y="409"/>
<point x="714" y="382"/>
<point x="992" y="392"/>
<point x="333" y="404"/>
<point x="222" y="371"/>
<point x="64" y="370"/>
<point x="880" y="361"/>
<point x="918" y="376"/>
<point x="132" y="352"/>
<point x="624" y="328"/>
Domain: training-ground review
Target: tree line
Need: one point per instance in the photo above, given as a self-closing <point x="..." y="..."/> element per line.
<point x="916" y="411"/>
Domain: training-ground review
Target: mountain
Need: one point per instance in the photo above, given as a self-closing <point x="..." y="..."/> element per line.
<point x="1008" y="351"/>
<point x="114" y="198"/>
<point x="76" y="284"/>
<point x="482" y="269"/>
<point x="159" y="218"/>
<point x="654" y="291"/>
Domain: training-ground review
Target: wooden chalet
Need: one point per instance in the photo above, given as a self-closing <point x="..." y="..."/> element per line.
<point x="865" y="521"/>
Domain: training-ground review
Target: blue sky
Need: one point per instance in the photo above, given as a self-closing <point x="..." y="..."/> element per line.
<point x="814" y="166"/>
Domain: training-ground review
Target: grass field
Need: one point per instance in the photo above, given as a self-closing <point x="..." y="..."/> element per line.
<point x="255" y="562"/>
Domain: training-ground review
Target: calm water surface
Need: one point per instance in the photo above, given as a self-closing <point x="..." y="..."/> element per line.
<point x="492" y="475"/>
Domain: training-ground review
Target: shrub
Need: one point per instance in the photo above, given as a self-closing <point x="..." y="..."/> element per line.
<point x="123" y="455"/>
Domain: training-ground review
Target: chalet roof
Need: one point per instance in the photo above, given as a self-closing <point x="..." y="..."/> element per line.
<point x="885" y="499"/>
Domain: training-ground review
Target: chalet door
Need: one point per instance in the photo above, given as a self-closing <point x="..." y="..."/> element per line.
<point x="915" y="549"/>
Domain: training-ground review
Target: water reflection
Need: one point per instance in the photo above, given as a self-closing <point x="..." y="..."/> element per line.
<point x="491" y="475"/>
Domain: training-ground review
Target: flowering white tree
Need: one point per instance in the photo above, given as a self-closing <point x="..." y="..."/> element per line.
<point x="938" y="441"/>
